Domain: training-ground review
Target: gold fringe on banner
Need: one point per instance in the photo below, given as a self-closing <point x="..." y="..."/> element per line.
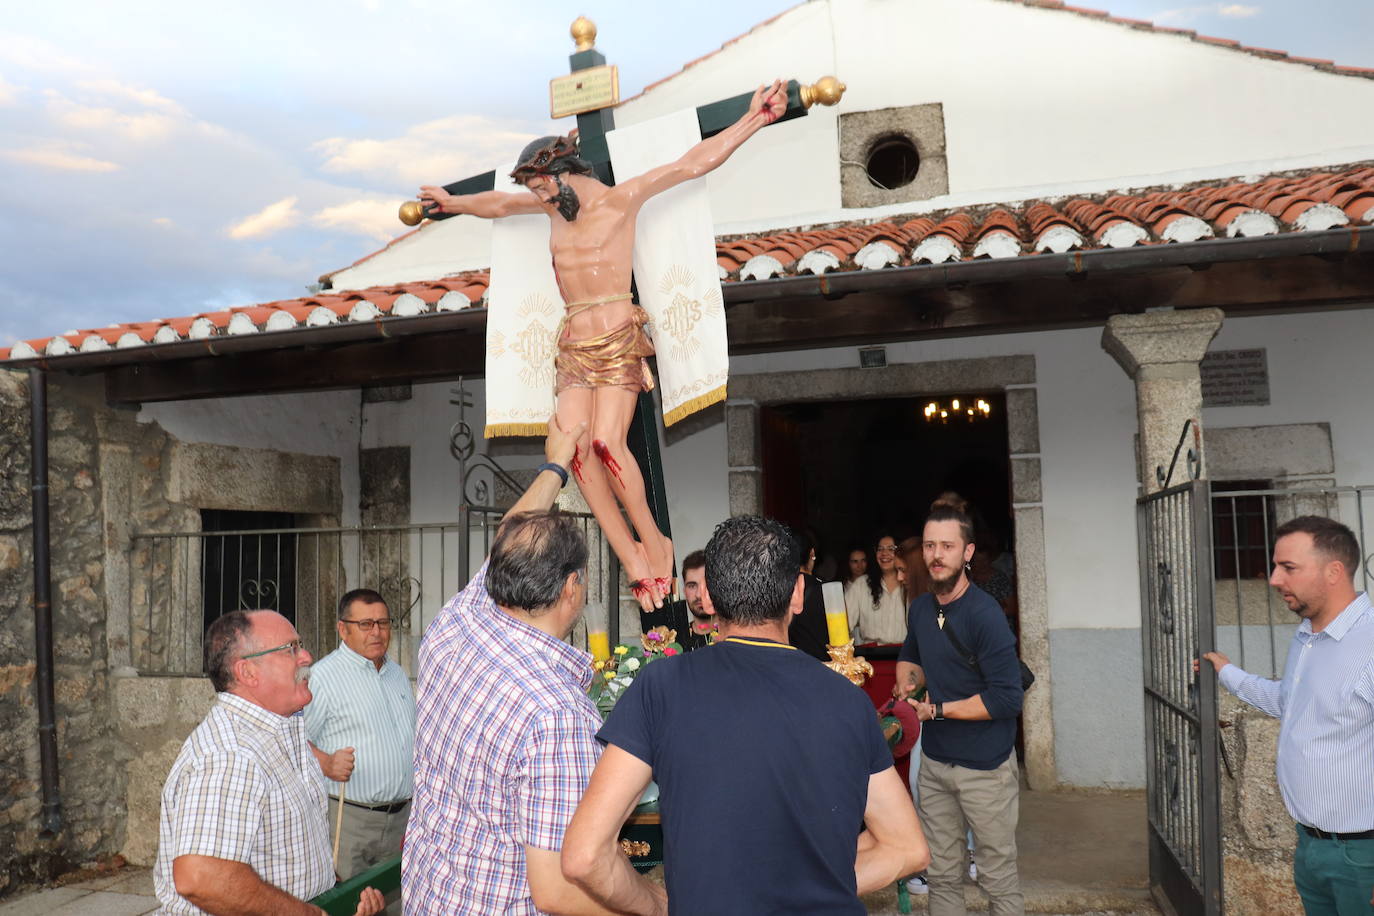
<point x="499" y="430"/>
<point x="701" y="402"/>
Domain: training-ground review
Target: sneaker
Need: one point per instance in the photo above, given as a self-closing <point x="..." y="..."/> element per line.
<point x="972" y="869"/>
<point x="917" y="885"/>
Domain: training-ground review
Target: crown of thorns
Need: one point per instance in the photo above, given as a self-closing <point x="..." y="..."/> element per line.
<point x="549" y="156"/>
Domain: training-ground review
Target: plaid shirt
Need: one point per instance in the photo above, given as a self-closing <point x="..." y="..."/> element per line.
<point x="504" y="747"/>
<point x="246" y="788"/>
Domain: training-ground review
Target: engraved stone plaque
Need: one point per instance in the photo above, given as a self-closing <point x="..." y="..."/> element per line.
<point x="1235" y="378"/>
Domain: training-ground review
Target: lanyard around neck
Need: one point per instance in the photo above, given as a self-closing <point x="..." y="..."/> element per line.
<point x="742" y="640"/>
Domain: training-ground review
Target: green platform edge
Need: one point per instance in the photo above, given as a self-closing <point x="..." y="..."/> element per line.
<point x="342" y="899"/>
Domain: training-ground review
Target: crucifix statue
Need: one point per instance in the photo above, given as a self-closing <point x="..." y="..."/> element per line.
<point x="600" y="363"/>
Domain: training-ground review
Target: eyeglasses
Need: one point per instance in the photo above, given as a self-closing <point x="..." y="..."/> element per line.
<point x="367" y="625"/>
<point x="882" y="549"/>
<point x="294" y="645"/>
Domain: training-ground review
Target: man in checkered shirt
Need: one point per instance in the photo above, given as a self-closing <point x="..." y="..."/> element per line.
<point x="505" y="733"/>
<point x="243" y="826"/>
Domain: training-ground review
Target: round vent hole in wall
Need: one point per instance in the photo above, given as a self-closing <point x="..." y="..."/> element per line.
<point x="892" y="162"/>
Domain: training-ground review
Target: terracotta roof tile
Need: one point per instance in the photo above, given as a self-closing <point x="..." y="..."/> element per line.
<point x="1304" y="201"/>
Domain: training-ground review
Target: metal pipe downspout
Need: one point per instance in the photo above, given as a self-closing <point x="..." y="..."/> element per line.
<point x="42" y="603"/>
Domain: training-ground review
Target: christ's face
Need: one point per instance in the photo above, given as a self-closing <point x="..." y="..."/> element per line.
<point x="552" y="191"/>
<point x="543" y="187"/>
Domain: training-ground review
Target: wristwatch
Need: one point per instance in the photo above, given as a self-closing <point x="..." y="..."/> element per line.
<point x="939" y="711"/>
<point x="558" y="469"/>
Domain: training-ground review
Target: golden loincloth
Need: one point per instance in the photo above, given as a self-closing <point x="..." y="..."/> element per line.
<point x="614" y="359"/>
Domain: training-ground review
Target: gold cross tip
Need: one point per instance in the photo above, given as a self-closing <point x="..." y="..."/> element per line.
<point x="412" y="212"/>
<point x="825" y="91"/>
<point x="583" y="31"/>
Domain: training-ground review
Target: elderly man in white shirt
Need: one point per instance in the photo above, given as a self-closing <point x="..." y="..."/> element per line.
<point x="242" y="827"/>
<point x="361" y="726"/>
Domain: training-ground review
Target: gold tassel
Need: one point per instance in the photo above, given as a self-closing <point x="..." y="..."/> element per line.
<point x="684" y="410"/>
<point x="497" y="430"/>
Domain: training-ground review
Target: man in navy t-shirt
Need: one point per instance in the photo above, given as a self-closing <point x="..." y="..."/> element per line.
<point x="968" y="768"/>
<point x="769" y="764"/>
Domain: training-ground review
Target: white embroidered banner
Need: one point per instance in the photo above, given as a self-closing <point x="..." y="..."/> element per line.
<point x="675" y="267"/>
<point x="524" y="308"/>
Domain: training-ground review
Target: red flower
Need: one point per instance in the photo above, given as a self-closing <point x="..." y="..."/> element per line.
<point x="670" y="651"/>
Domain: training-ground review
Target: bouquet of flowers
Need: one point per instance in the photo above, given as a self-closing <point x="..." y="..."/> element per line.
<point x="612" y="677"/>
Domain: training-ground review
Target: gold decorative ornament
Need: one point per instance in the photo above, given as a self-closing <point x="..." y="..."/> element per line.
<point x="825" y="91"/>
<point x="412" y="212"/>
<point x="844" y="661"/>
<point x="583" y="31"/>
<point x="633" y="848"/>
<point x="657" y="639"/>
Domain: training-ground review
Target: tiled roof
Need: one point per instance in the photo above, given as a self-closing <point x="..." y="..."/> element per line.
<point x="1141" y="24"/>
<point x="459" y="291"/>
<point x="1305" y="202"/>
<point x="1279" y="204"/>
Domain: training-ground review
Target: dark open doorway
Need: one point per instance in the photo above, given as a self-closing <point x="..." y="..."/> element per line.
<point x="848" y="469"/>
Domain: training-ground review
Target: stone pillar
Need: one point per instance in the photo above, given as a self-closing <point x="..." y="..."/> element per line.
<point x="744" y="457"/>
<point x="1162" y="351"/>
<point x="118" y="432"/>
<point x="1033" y="615"/>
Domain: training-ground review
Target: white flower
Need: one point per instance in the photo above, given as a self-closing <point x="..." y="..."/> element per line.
<point x="631" y="664"/>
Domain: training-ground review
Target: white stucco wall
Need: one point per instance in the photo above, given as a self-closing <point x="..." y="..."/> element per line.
<point x="1037" y="103"/>
<point x="312" y="423"/>
<point x="1320" y="371"/>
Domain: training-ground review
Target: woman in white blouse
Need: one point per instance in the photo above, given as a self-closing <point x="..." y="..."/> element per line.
<point x="875" y="601"/>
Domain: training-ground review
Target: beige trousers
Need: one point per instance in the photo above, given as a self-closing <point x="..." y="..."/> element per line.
<point x="988" y="802"/>
<point x="368" y="837"/>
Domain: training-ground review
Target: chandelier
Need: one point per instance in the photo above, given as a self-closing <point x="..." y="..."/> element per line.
<point x="957" y="409"/>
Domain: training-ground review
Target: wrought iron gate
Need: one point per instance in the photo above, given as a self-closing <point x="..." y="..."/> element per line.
<point x="1181" y="743"/>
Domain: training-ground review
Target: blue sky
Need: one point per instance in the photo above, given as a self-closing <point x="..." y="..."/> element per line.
<point x="167" y="157"/>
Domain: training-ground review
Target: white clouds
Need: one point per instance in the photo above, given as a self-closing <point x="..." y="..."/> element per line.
<point x="373" y="218"/>
<point x="29" y="52"/>
<point x="9" y="93"/>
<point x="144" y="126"/>
<point x="148" y="98"/>
<point x="434" y="152"/>
<point x="57" y="158"/>
<point x="272" y="218"/>
<point x="1187" y="14"/>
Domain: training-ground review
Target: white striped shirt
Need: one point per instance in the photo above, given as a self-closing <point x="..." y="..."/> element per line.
<point x="371" y="711"/>
<point x="246" y="788"/>
<point x="1326" y="706"/>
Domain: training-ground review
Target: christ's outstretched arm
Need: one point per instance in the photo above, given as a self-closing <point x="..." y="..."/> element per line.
<point x="487" y="204"/>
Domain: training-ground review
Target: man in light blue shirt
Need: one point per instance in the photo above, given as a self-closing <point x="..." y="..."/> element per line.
<point x="361" y="726"/>
<point x="1325" y="702"/>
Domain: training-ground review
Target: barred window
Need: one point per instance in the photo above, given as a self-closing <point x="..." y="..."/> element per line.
<point x="247" y="571"/>
<point x="1242" y="530"/>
